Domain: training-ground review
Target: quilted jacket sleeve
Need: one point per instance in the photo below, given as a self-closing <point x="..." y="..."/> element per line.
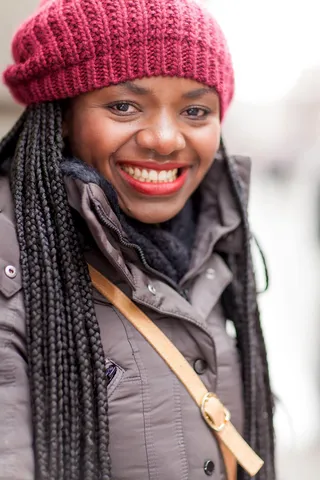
<point x="16" y="438"/>
<point x="16" y="452"/>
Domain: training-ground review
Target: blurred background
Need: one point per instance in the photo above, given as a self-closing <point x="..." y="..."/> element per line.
<point x="275" y="118"/>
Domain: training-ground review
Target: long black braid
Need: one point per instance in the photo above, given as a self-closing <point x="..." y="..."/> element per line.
<point x="66" y="360"/>
<point x="240" y="303"/>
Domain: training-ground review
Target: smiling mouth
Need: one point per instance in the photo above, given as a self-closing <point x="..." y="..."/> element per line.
<point x="153" y="181"/>
<point x="150" y="175"/>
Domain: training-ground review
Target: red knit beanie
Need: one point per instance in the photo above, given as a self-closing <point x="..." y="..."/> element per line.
<point x="70" y="47"/>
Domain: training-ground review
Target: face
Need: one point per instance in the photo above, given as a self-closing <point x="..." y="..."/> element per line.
<point x="153" y="139"/>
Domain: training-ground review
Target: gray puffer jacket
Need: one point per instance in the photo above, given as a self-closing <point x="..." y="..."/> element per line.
<point x="156" y="430"/>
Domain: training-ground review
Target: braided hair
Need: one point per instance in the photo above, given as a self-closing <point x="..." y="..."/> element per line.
<point x="66" y="359"/>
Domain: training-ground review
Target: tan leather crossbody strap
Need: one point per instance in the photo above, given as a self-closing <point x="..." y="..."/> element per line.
<point x="232" y="445"/>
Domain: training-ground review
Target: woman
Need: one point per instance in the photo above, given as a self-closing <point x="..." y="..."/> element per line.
<point x="117" y="162"/>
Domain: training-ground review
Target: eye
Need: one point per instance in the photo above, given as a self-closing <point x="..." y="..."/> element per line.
<point x="122" y="108"/>
<point x="196" y="112"/>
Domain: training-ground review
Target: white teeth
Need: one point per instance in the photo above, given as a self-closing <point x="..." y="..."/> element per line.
<point x="151" y="176"/>
<point x="162" y="177"/>
<point x="137" y="173"/>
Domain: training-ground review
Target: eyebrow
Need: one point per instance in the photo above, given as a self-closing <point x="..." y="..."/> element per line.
<point x="135" y="88"/>
<point x="199" y="92"/>
<point x="192" y="94"/>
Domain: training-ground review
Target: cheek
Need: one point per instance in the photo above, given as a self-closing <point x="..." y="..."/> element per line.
<point x="94" y="138"/>
<point x="207" y="145"/>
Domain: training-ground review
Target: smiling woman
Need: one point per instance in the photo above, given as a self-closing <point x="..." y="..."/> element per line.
<point x="154" y="139"/>
<point x="117" y="162"/>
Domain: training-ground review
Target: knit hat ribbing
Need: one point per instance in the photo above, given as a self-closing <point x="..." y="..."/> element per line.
<point x="70" y="47"/>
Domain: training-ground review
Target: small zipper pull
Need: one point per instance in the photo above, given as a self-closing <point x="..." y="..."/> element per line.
<point x="111" y="370"/>
<point x="185" y="294"/>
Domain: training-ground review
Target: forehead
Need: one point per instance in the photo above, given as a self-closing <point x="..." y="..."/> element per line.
<point x="163" y="89"/>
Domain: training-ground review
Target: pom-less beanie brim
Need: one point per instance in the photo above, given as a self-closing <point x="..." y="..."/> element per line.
<point x="71" y="47"/>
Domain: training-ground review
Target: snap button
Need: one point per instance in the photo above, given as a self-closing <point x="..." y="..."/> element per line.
<point x="200" y="366"/>
<point x="210" y="274"/>
<point x="10" y="271"/>
<point x="208" y="468"/>
<point x="152" y="289"/>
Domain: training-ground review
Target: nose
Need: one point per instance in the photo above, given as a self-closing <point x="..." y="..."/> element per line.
<point x="162" y="136"/>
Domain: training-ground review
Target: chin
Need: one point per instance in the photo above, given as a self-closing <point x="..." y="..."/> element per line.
<point x="153" y="215"/>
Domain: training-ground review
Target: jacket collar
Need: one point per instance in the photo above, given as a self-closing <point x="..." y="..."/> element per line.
<point x="219" y="226"/>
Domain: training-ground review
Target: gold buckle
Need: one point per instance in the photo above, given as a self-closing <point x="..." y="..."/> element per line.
<point x="208" y="419"/>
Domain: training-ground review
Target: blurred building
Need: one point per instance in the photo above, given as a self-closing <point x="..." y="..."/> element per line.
<point x="11" y="14"/>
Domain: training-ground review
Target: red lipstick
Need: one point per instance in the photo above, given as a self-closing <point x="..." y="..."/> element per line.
<point x="152" y="188"/>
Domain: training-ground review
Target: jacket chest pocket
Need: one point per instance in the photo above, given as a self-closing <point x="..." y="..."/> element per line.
<point x="118" y="349"/>
<point x="126" y="395"/>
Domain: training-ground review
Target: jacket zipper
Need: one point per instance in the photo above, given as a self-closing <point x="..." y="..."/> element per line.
<point x="109" y="224"/>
